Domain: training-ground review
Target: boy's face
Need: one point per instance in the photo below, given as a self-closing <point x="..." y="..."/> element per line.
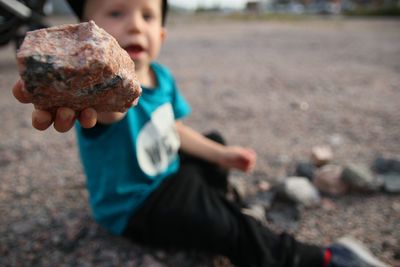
<point x="136" y="24"/>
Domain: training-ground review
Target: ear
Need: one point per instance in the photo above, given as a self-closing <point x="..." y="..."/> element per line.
<point x="163" y="34"/>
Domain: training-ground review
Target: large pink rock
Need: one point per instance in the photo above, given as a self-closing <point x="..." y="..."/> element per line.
<point x="77" y="66"/>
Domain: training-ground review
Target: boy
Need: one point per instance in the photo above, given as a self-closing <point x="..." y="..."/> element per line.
<point x="141" y="186"/>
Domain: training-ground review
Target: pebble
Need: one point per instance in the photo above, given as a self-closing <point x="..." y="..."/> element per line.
<point x="22" y="227"/>
<point x="284" y="215"/>
<point x="321" y="155"/>
<point x="386" y="165"/>
<point x="391" y="182"/>
<point x="240" y="185"/>
<point x="263" y="186"/>
<point x="336" y="140"/>
<point x="264" y="198"/>
<point x="328" y="180"/>
<point x="7" y="157"/>
<point x="359" y="177"/>
<point x="305" y="169"/>
<point x="301" y="190"/>
<point x="255" y="211"/>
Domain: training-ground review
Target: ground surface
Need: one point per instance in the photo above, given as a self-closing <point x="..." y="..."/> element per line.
<point x="279" y="87"/>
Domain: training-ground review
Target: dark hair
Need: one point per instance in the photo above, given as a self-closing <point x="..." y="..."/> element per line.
<point x="77" y="6"/>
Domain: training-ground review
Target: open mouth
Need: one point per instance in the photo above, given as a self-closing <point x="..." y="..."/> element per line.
<point x="134" y="50"/>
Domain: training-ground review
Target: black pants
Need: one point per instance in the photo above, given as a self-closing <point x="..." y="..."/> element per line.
<point x="189" y="211"/>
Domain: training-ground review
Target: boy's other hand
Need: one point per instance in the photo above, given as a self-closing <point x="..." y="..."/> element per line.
<point x="63" y="119"/>
<point x="240" y="158"/>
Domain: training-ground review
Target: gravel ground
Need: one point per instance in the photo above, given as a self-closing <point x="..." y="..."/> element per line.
<point x="279" y="87"/>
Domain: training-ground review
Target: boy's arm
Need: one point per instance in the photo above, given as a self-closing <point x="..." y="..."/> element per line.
<point x="64" y="118"/>
<point x="199" y="146"/>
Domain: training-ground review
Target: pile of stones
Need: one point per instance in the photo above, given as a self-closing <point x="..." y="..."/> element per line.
<point x="314" y="180"/>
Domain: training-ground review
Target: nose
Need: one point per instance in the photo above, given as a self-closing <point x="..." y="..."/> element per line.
<point x="135" y="23"/>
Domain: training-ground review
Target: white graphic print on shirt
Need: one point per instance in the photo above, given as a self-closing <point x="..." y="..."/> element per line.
<point x="158" y="141"/>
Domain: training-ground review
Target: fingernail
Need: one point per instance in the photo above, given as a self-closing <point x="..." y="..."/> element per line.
<point x="88" y="114"/>
<point x="66" y="116"/>
<point x="42" y="119"/>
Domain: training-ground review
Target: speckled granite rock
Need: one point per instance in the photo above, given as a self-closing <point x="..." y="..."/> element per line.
<point x="77" y="66"/>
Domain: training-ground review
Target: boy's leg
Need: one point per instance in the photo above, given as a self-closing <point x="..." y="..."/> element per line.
<point x="214" y="175"/>
<point x="185" y="212"/>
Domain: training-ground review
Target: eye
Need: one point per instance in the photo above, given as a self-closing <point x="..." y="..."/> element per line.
<point x="147" y="16"/>
<point x="115" y="14"/>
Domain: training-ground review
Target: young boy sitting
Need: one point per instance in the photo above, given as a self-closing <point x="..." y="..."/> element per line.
<point x="155" y="180"/>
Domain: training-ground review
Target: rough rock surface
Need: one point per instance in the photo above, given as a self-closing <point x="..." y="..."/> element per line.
<point x="77" y="66"/>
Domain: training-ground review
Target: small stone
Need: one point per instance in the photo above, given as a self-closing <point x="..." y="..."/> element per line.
<point x="255" y="211"/>
<point x="386" y="165"/>
<point x="23" y="227"/>
<point x="304" y="106"/>
<point x="305" y="169"/>
<point x="148" y="260"/>
<point x="263" y="186"/>
<point x="7" y="157"/>
<point x="301" y="190"/>
<point x="336" y="140"/>
<point x="301" y="105"/>
<point x="77" y="66"/>
<point x="359" y="177"/>
<point x="396" y="207"/>
<point x="391" y="182"/>
<point x="321" y="155"/>
<point x="240" y="186"/>
<point x="263" y="198"/>
<point x="328" y="180"/>
<point x="284" y="215"/>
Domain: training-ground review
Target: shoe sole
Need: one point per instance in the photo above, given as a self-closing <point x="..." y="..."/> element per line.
<point x="360" y="250"/>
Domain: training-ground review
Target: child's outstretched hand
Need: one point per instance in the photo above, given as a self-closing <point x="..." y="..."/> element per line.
<point x="240" y="158"/>
<point x="64" y="118"/>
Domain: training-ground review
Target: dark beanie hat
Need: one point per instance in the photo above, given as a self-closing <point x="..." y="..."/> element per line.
<point x="77" y="6"/>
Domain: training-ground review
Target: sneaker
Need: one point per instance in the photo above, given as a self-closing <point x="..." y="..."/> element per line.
<point x="348" y="252"/>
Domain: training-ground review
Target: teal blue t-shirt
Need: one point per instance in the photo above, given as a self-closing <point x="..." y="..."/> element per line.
<point x="124" y="162"/>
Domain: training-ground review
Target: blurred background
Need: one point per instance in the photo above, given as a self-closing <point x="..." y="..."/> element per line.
<point x="383" y="7"/>
<point x="312" y="86"/>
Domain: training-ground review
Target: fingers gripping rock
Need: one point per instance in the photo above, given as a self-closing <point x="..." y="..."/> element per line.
<point x="77" y="66"/>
